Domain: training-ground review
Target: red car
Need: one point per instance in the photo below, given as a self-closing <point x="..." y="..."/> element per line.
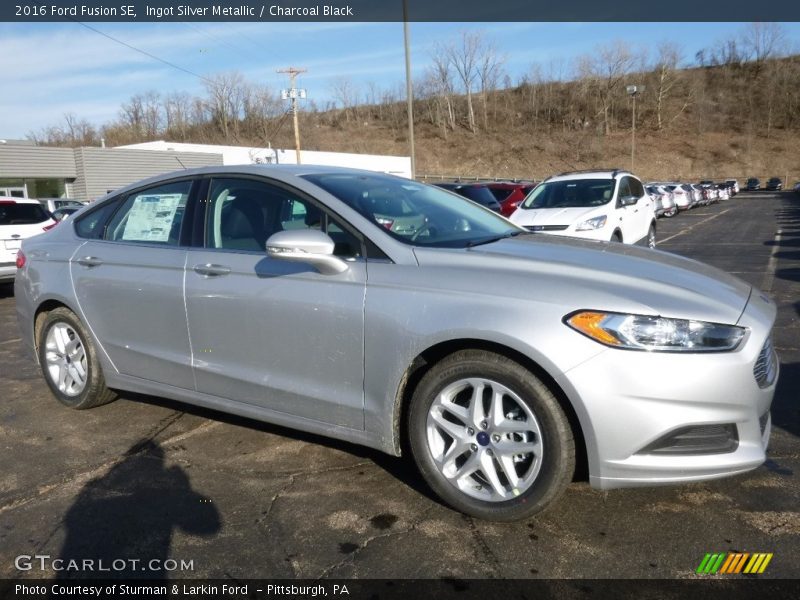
<point x="509" y="195"/>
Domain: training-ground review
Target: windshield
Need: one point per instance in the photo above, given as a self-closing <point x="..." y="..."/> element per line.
<point x="22" y="214"/>
<point x="415" y="213"/>
<point x="571" y="193"/>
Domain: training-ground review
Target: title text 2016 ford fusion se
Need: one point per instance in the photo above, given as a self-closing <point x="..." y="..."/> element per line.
<point x="379" y="310"/>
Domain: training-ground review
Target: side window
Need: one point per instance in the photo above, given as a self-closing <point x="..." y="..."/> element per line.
<point x="636" y="187"/>
<point x="242" y="214"/>
<point x="90" y="226"/>
<point x="624" y="188"/>
<point x="152" y="216"/>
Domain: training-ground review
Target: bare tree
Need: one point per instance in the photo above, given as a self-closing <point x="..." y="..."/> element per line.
<point x="132" y="116"/>
<point x="763" y="41"/>
<point x="346" y="94"/>
<point x="464" y="57"/>
<point x="177" y="109"/>
<point x="667" y="77"/>
<point x="490" y="65"/>
<point x="225" y="99"/>
<point x="442" y="76"/>
<point x="605" y="70"/>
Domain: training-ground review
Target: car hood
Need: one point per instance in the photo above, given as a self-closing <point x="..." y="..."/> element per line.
<point x="555" y="216"/>
<point x="586" y="274"/>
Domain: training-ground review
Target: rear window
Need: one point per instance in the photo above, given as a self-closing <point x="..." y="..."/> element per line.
<point x="22" y="214"/>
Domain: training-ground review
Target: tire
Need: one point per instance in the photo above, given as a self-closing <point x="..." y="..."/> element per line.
<point x="616" y="237"/>
<point x="69" y="362"/>
<point x="651" y="236"/>
<point x="471" y="468"/>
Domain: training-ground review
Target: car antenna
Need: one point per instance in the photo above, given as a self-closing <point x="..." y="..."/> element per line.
<point x="180" y="163"/>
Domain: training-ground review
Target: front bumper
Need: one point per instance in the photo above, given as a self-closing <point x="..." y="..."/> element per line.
<point x="631" y="400"/>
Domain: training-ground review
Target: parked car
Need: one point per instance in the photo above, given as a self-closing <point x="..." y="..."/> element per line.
<point x="753" y="184"/>
<point x="796" y="187"/>
<point x="20" y="218"/>
<point x="723" y="191"/>
<point x="477" y="192"/>
<point x="496" y="354"/>
<point x="733" y="184"/>
<point x="695" y="193"/>
<point x="663" y="201"/>
<point x="682" y="197"/>
<point x="509" y="195"/>
<point x="53" y="204"/>
<point x="774" y="184"/>
<point x="600" y="205"/>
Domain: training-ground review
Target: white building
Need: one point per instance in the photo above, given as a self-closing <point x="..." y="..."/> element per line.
<point x="242" y="155"/>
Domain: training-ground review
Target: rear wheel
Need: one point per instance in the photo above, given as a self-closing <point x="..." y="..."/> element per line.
<point x="489" y="437"/>
<point x="616" y="237"/>
<point x="69" y="362"/>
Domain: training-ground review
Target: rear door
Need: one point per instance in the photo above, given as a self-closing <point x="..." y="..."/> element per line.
<point x="129" y="284"/>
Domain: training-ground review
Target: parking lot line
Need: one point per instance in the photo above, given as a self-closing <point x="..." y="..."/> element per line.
<point x="693" y="225"/>
<point x="769" y="274"/>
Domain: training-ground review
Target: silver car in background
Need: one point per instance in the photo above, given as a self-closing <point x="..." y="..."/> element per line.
<point x="289" y="295"/>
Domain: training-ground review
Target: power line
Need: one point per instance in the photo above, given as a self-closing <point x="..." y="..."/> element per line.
<point x="148" y="54"/>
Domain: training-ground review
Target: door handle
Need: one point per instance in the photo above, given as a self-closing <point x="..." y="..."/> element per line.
<point x="89" y="261"/>
<point x="210" y="270"/>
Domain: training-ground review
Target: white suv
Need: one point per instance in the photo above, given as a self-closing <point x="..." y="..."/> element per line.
<point x="20" y="219"/>
<point x="597" y="205"/>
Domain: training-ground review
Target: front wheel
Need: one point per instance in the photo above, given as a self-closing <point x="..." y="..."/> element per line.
<point x="69" y="362"/>
<point x="489" y="437"/>
<point x="651" y="236"/>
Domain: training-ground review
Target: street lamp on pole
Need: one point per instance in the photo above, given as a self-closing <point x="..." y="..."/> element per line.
<point x="633" y="91"/>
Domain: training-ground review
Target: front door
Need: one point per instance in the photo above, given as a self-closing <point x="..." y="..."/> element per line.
<point x="267" y="332"/>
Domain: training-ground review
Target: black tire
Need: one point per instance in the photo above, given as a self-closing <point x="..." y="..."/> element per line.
<point x="617" y="237"/>
<point x="556" y="467"/>
<point x="651" y="236"/>
<point x="94" y="393"/>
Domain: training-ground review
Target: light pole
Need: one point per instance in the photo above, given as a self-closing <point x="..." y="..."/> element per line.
<point x="633" y="91"/>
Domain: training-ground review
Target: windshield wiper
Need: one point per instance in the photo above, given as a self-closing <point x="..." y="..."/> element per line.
<point x="494" y="238"/>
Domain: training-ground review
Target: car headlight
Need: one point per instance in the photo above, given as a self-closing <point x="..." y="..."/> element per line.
<point x="588" y="225"/>
<point x="659" y="334"/>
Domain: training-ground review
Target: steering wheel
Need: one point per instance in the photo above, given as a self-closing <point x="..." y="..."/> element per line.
<point x="426" y="227"/>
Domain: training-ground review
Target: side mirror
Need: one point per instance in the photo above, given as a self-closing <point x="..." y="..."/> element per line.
<point x="307" y="246"/>
<point x="628" y="200"/>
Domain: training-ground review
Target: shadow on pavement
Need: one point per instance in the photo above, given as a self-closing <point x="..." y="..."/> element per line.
<point x="401" y="468"/>
<point x="7" y="290"/>
<point x="129" y="515"/>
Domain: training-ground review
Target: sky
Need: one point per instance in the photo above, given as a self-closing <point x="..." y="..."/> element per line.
<point x="50" y="69"/>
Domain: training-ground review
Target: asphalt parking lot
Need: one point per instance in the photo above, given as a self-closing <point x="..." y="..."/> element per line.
<point x="148" y="478"/>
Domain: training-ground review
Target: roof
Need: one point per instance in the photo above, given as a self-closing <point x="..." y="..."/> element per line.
<point x="590" y="174"/>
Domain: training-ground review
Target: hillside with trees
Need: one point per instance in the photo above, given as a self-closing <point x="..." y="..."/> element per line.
<point x="732" y="110"/>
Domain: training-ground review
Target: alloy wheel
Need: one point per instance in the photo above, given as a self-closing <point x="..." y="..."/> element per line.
<point x="484" y="439"/>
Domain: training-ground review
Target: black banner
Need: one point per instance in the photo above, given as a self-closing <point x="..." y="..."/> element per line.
<point x="392" y="10"/>
<point x="713" y="588"/>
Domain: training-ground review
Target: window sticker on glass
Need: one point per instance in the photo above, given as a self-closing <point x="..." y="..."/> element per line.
<point x="151" y="217"/>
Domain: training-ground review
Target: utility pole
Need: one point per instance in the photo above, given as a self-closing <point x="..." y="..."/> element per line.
<point x="293" y="94"/>
<point x="633" y="91"/>
<point x="409" y="91"/>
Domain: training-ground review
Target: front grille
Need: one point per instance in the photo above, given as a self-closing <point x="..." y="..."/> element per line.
<point x="766" y="367"/>
<point x="546" y="227"/>
<point x="696" y="439"/>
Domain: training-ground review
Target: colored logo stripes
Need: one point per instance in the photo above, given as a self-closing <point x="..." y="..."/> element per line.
<point x="734" y="562"/>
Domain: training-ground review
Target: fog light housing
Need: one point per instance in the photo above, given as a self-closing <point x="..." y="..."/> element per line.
<point x="696" y="439"/>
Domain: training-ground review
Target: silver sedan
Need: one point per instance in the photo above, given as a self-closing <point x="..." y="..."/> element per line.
<point x="381" y="311"/>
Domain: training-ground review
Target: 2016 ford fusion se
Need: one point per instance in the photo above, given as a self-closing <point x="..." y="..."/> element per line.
<point x="382" y="311"/>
